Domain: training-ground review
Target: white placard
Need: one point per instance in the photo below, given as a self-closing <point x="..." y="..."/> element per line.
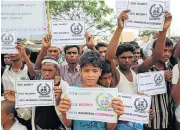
<point x="93" y="104"/>
<point x="151" y="83"/>
<point x="144" y="15"/>
<point x="136" y="108"/>
<point x="123" y="4"/>
<point x="8" y="43"/>
<point x="68" y="32"/>
<point x="23" y="16"/>
<point x="31" y="93"/>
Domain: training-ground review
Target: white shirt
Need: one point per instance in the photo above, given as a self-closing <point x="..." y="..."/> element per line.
<point x="16" y="126"/>
<point x="9" y="76"/>
<point x="175" y="77"/>
<point x="125" y="85"/>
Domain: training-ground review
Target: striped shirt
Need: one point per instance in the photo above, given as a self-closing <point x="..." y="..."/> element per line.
<point x="162" y="106"/>
<point x="71" y="78"/>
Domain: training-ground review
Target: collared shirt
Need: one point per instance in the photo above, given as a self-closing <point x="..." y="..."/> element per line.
<point x="71" y="78"/>
<point x="162" y="106"/>
<point x="16" y="126"/>
<point x="9" y="76"/>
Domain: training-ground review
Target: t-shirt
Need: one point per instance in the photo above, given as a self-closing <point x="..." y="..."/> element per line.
<point x="175" y="77"/>
<point x="88" y="125"/>
<point x="125" y="125"/>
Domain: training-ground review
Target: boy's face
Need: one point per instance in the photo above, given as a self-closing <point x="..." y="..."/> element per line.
<point x="4" y="116"/>
<point x="90" y="75"/>
<point x="72" y="56"/>
<point x="105" y="80"/>
<point x="167" y="54"/>
<point x="48" y="71"/>
<point x="126" y="60"/>
<point x="102" y="51"/>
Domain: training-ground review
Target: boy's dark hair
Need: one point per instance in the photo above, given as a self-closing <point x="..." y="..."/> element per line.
<point x="100" y="44"/>
<point x="10" y="107"/>
<point x="168" y="43"/>
<point x="106" y="67"/>
<point x="135" y="44"/>
<point x="91" y="58"/>
<point x="68" y="47"/>
<point x="124" y="48"/>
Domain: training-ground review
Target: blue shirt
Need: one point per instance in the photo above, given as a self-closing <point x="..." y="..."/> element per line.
<point x="125" y="125"/>
<point x="88" y="125"/>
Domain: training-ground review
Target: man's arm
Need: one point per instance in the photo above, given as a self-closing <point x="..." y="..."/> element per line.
<point x="115" y="39"/>
<point x="22" y="51"/>
<point x="159" y="48"/>
<point x="46" y="43"/>
<point x="176" y="87"/>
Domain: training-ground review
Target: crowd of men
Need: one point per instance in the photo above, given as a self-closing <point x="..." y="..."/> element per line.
<point x="99" y="66"/>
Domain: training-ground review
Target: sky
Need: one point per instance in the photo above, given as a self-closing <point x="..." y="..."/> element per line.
<point x="174" y="9"/>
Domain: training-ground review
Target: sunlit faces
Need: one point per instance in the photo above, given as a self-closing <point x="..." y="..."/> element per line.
<point x="102" y="51"/>
<point x="54" y="52"/>
<point x="126" y="60"/>
<point x="15" y="57"/>
<point x="105" y="80"/>
<point x="167" y="54"/>
<point x="48" y="70"/>
<point x="137" y="54"/>
<point x="72" y="56"/>
<point x="7" y="60"/>
<point x="90" y="75"/>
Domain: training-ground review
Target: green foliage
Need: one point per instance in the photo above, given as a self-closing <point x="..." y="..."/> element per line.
<point x="93" y="12"/>
<point x="146" y="33"/>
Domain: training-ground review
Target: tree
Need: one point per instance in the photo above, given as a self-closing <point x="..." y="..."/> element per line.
<point x="146" y="33"/>
<point x="97" y="16"/>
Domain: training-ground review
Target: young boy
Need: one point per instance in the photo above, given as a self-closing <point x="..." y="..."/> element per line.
<point x="125" y="73"/>
<point x="106" y="76"/>
<point x="90" y="64"/>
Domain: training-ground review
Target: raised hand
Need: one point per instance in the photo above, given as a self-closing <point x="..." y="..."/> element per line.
<point x="46" y="41"/>
<point x="89" y="41"/>
<point x="167" y="22"/>
<point x="122" y="17"/>
<point x="21" y="49"/>
<point x="9" y="95"/>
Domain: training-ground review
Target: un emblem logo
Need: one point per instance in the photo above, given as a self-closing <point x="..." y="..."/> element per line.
<point x="7" y="39"/>
<point x="156" y="11"/>
<point x="158" y="78"/>
<point x="43" y="89"/>
<point x="76" y="28"/>
<point x="140" y="104"/>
